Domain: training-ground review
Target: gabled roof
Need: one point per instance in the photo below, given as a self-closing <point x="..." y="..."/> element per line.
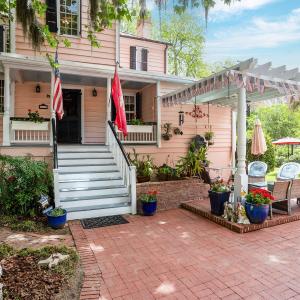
<point x="262" y="83"/>
<point x="135" y="37"/>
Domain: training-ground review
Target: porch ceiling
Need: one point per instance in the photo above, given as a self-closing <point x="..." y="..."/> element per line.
<point x="42" y="76"/>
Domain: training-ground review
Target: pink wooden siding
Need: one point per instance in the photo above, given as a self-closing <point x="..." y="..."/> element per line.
<point x="156" y="54"/>
<point x="95" y="115"/>
<point x="149" y="103"/>
<point x="94" y="107"/>
<point x="1" y="130"/>
<point x="220" y="119"/>
<point x="80" y="50"/>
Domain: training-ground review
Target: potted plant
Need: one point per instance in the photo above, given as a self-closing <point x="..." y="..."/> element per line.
<point x="219" y="193"/>
<point x="167" y="128"/>
<point x="57" y="218"/>
<point x="257" y="205"/>
<point x="208" y="137"/>
<point x="149" y="203"/>
<point x="165" y="173"/>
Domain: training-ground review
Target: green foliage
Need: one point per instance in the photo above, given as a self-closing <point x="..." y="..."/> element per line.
<point x="166" y="172"/>
<point x="35" y="116"/>
<point x="278" y="121"/>
<point x="57" y="212"/>
<point x="187" y="42"/>
<point x="220" y="187"/>
<point x="149" y="197"/>
<point x="144" y="166"/>
<point x="193" y="163"/>
<point x="22" y="182"/>
<point x="268" y="157"/>
<point x="136" y="122"/>
<point x="259" y="197"/>
<point x="6" y="250"/>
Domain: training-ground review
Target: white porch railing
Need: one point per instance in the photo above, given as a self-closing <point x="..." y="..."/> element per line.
<point x="26" y="132"/>
<point x="139" y="134"/>
<point x="128" y="172"/>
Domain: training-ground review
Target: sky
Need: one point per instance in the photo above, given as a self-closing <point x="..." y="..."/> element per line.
<point x="268" y="30"/>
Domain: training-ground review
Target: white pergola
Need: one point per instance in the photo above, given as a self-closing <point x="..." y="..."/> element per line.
<point x="246" y="83"/>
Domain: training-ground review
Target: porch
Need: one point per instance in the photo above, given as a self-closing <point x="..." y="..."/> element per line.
<point x="28" y="88"/>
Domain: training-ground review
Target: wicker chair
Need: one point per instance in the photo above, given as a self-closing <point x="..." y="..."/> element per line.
<point x="288" y="171"/>
<point x="281" y="193"/>
<point x="295" y="190"/>
<point x="257" y="171"/>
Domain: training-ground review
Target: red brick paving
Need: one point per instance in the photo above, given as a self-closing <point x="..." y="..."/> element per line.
<point x="178" y="255"/>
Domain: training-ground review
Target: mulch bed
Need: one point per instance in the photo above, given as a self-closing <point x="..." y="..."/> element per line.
<point x="23" y="279"/>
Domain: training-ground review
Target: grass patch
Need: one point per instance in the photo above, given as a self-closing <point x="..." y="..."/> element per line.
<point x="37" y="224"/>
<point x="271" y="176"/>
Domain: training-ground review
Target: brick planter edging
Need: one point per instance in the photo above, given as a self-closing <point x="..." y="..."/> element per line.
<point x="239" y="228"/>
<point x="172" y="193"/>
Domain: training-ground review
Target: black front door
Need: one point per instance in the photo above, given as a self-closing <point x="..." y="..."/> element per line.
<point x="69" y="127"/>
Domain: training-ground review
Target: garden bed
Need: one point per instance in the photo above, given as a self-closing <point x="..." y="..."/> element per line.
<point x="23" y="279"/>
<point x="170" y="194"/>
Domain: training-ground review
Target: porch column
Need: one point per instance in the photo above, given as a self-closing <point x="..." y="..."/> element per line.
<point x="108" y="107"/>
<point x="7" y="107"/>
<point x="233" y="139"/>
<point x="52" y="112"/>
<point x="241" y="178"/>
<point x="158" y="114"/>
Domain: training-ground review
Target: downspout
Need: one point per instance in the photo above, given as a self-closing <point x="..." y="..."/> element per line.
<point x="117" y="41"/>
<point x="166" y="60"/>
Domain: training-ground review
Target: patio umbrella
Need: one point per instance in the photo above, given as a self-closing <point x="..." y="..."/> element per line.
<point x="288" y="141"/>
<point x="259" y="145"/>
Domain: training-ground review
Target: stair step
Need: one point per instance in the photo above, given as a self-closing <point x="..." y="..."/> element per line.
<point x="87" y="169"/>
<point x="88" y="176"/>
<point x="87" y="193"/>
<point x="85" y="198"/>
<point x="98" y="211"/>
<point x="82" y="148"/>
<point x="107" y="200"/>
<point x="84" y="155"/>
<point x="73" y="184"/>
<point x="82" y="163"/>
<point x="94" y="188"/>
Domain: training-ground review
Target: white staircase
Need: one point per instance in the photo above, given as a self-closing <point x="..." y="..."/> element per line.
<point x="93" y="181"/>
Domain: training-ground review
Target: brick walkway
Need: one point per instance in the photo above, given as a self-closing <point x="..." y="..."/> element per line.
<point x="177" y="255"/>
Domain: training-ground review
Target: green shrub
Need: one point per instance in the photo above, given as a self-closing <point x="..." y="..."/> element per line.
<point x="268" y="157"/>
<point x="295" y="157"/>
<point x="22" y="182"/>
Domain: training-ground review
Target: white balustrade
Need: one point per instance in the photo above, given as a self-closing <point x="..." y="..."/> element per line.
<point x="127" y="171"/>
<point x="139" y="134"/>
<point x="26" y="132"/>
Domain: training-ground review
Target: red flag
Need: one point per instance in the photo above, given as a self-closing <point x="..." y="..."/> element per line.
<point x="57" y="92"/>
<point x="117" y="95"/>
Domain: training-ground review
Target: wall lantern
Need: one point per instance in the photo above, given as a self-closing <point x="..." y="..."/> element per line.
<point x="181" y="117"/>
<point x="94" y="92"/>
<point x="38" y="88"/>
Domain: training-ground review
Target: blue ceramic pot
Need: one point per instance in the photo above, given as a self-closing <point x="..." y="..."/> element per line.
<point x="257" y="214"/>
<point x="149" y="208"/>
<point x="57" y="222"/>
<point x="217" y="201"/>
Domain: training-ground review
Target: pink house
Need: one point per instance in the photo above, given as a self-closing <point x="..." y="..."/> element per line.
<point x="92" y="177"/>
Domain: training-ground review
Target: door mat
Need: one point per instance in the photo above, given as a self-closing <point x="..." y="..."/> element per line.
<point x="103" y="222"/>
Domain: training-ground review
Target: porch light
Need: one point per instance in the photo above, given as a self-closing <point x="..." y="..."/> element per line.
<point x="94" y="92"/>
<point x="38" y="88"/>
<point x="181" y="117"/>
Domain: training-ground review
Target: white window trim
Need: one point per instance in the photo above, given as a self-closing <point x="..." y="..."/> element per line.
<point x="138" y="57"/>
<point x="130" y="95"/>
<point x="78" y="23"/>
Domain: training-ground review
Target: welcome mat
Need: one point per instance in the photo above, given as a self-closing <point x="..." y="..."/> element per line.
<point x="103" y="222"/>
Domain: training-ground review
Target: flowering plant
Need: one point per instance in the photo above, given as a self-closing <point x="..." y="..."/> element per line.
<point x="259" y="197"/>
<point x="220" y="187"/>
<point x="149" y="196"/>
<point x="34" y="116"/>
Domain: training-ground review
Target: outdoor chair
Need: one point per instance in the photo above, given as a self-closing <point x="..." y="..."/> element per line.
<point x="288" y="171"/>
<point x="281" y="194"/>
<point x="295" y="190"/>
<point x="257" y="171"/>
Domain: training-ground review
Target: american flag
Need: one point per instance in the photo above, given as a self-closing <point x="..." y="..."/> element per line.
<point x="57" y="92"/>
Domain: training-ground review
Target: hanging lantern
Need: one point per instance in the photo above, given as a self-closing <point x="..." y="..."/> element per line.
<point x="181" y="117"/>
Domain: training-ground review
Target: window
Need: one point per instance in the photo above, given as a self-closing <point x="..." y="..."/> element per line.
<point x="69" y="17"/>
<point x="138" y="58"/>
<point x="1" y="96"/>
<point x="130" y="107"/>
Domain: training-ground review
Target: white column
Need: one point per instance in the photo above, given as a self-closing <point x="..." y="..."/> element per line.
<point x="158" y="114"/>
<point x="233" y="139"/>
<point x="132" y="175"/>
<point x="12" y="32"/>
<point x="7" y="107"/>
<point x="108" y="107"/>
<point x="241" y="178"/>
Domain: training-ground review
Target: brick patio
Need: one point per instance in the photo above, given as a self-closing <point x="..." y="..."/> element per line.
<point x="179" y="255"/>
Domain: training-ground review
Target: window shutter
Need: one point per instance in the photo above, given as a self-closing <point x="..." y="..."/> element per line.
<point x="113" y="110"/>
<point x="51" y="15"/>
<point x="144" y="59"/>
<point x="2" y="39"/>
<point x="133" y="57"/>
<point x="138" y="106"/>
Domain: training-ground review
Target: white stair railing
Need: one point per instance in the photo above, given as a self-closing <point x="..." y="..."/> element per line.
<point x="128" y="172"/>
